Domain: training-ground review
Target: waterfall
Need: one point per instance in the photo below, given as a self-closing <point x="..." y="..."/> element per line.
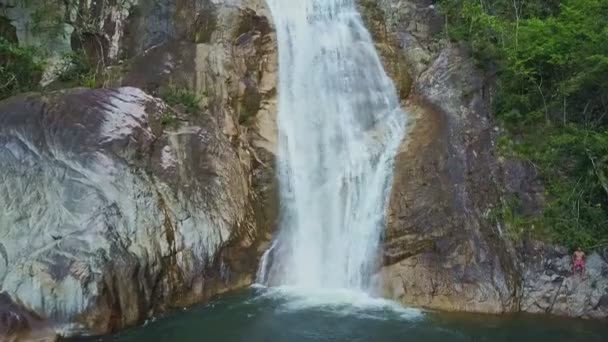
<point x="340" y="124"/>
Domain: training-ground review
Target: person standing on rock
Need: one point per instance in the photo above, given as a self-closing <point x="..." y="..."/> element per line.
<point x="578" y="261"/>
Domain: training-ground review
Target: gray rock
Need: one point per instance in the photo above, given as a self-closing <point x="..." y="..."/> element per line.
<point x="96" y="27"/>
<point x="109" y="216"/>
<point x="170" y="215"/>
<point x="550" y="287"/>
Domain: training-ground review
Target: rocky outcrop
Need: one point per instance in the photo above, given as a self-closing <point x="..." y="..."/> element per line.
<point x="132" y="207"/>
<point x="440" y="251"/>
<point x="58" y="28"/>
<point x="226" y="54"/>
<point x="444" y="248"/>
<point x="112" y="212"/>
<point x="550" y="287"/>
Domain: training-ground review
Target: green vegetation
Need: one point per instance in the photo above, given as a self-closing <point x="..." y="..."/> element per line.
<point x="48" y="18"/>
<point x="75" y="68"/>
<point x="182" y="98"/>
<point x="169" y="119"/>
<point x="20" y="69"/>
<point x="551" y="59"/>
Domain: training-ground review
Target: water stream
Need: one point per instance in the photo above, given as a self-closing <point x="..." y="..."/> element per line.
<point x="340" y="123"/>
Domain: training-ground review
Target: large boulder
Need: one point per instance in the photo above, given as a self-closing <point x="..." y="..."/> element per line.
<point x="116" y="207"/>
<point x="190" y="198"/>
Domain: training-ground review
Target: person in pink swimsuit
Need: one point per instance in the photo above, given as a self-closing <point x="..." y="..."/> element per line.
<point x="578" y="261"/>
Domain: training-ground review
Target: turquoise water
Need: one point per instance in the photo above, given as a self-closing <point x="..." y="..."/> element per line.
<point x="285" y="316"/>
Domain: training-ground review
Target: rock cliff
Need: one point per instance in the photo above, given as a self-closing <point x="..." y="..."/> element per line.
<point x="440" y="251"/>
<point x="443" y="246"/>
<point x="120" y="206"/>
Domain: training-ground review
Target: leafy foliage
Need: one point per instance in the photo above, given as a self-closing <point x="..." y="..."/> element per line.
<point x="186" y="100"/>
<point x="551" y="58"/>
<point x="20" y="69"/>
<point x="75" y="68"/>
<point x="169" y="119"/>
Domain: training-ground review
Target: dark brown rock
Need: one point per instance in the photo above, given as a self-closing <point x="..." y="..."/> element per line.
<point x="7" y="30"/>
<point x="18" y="324"/>
<point x="441" y="250"/>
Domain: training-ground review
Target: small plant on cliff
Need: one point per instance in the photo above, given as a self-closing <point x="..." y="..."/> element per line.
<point x="515" y="226"/>
<point x="20" y="69"/>
<point x="75" y="68"/>
<point x="183" y="98"/>
<point x="169" y="119"/>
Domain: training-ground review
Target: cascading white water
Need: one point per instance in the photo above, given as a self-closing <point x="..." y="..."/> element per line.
<point x="340" y="124"/>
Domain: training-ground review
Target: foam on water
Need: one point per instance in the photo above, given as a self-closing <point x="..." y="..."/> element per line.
<point x="338" y="302"/>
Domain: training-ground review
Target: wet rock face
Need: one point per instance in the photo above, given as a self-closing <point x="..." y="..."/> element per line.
<point x="549" y="285"/>
<point x="110" y="216"/>
<point x="440" y="250"/>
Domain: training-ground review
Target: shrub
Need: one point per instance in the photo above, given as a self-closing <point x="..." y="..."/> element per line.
<point x="551" y="59"/>
<point x="20" y="69"/>
<point x="186" y="100"/>
<point x="170" y="119"/>
<point x="74" y="68"/>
